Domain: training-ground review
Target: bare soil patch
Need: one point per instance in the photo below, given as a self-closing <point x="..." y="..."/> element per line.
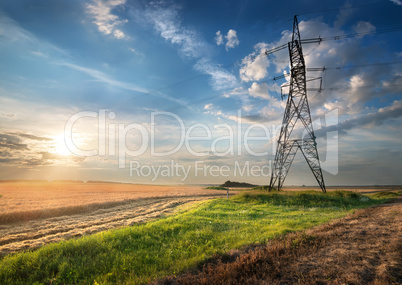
<point x="363" y="248"/>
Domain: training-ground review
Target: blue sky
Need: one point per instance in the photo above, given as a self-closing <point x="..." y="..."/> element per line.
<point x="204" y="63"/>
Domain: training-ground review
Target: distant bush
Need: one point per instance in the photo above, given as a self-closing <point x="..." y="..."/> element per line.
<point x="237" y="184"/>
<point x="263" y="188"/>
<point x="344" y="193"/>
<point x="308" y="199"/>
<point x="386" y="195"/>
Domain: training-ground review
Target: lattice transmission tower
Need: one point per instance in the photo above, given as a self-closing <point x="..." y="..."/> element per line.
<point x="297" y="114"/>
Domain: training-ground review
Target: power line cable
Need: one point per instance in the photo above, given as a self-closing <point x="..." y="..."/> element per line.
<point x="332" y="38"/>
<point x="340" y="9"/>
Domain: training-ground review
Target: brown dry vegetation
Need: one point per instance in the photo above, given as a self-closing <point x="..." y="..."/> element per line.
<point x="23" y="201"/>
<point x="364" y="248"/>
<point x="34" y="214"/>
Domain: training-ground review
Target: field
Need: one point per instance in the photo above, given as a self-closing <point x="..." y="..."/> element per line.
<point x="191" y="235"/>
<point x="35" y="213"/>
<point x="363" y="248"/>
<point x="359" y="189"/>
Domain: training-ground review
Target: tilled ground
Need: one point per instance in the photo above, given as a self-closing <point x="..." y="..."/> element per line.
<point x="38" y="232"/>
<point x="363" y="248"/>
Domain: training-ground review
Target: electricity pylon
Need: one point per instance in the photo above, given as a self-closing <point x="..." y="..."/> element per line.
<point x="297" y="113"/>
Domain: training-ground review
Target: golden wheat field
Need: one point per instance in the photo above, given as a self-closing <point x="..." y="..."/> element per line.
<point x="36" y="213"/>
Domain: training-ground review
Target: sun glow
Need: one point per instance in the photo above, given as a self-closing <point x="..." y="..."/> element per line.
<point x="59" y="146"/>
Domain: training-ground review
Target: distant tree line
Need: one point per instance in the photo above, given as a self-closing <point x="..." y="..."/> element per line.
<point x="237" y="184"/>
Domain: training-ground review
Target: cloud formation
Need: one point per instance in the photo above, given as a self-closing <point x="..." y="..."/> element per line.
<point x="254" y="66"/>
<point x="103" y="77"/>
<point x="166" y="21"/>
<point x="231" y="39"/>
<point x="397" y="2"/>
<point x="23" y="149"/>
<point x="208" y="106"/>
<point x="259" y="90"/>
<point x="363" y="27"/>
<point x="101" y="12"/>
<point x="368" y="120"/>
<point x="349" y="89"/>
<point x="219" y="38"/>
<point x="11" y="142"/>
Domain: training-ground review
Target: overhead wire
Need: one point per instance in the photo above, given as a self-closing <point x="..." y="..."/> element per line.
<point x="332" y="38"/>
<point x="340" y="9"/>
<point x="308" y="69"/>
<point x="313" y="49"/>
<point x="281" y="47"/>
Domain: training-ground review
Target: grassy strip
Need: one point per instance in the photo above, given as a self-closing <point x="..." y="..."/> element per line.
<point x="263" y="188"/>
<point x="230" y="189"/>
<point x="173" y="244"/>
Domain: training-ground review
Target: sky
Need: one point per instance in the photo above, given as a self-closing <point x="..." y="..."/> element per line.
<point x="173" y="92"/>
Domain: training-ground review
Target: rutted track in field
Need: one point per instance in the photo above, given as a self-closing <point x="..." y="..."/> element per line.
<point x="36" y="233"/>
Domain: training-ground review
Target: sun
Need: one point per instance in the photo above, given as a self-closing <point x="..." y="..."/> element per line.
<point x="59" y="146"/>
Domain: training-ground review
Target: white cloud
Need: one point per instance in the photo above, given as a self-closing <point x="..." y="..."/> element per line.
<point x="367" y="120"/>
<point x="238" y="91"/>
<point x="219" y="38"/>
<point x="363" y="27"/>
<point x="232" y="40"/>
<point x="166" y="22"/>
<point x="243" y="95"/>
<point x="133" y="50"/>
<point x="99" y="75"/>
<point x="259" y="90"/>
<point x="118" y="34"/>
<point x="344" y="15"/>
<point x="220" y="78"/>
<point x="247" y="108"/>
<point x="254" y="65"/>
<point x="274" y="107"/>
<point x="393" y="85"/>
<point x="348" y="89"/>
<point x="208" y="106"/>
<point x="397" y="2"/>
<point x="101" y="12"/>
<point x="102" y="77"/>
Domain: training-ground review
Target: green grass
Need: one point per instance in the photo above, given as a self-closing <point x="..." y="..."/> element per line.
<point x="263" y="188"/>
<point x="230" y="190"/>
<point x="386" y="195"/>
<point x="178" y="242"/>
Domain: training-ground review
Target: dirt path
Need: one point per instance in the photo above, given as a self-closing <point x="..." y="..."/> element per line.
<point x="364" y="248"/>
<point x="33" y="234"/>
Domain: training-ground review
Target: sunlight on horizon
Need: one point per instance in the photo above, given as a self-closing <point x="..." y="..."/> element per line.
<point x="59" y="146"/>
